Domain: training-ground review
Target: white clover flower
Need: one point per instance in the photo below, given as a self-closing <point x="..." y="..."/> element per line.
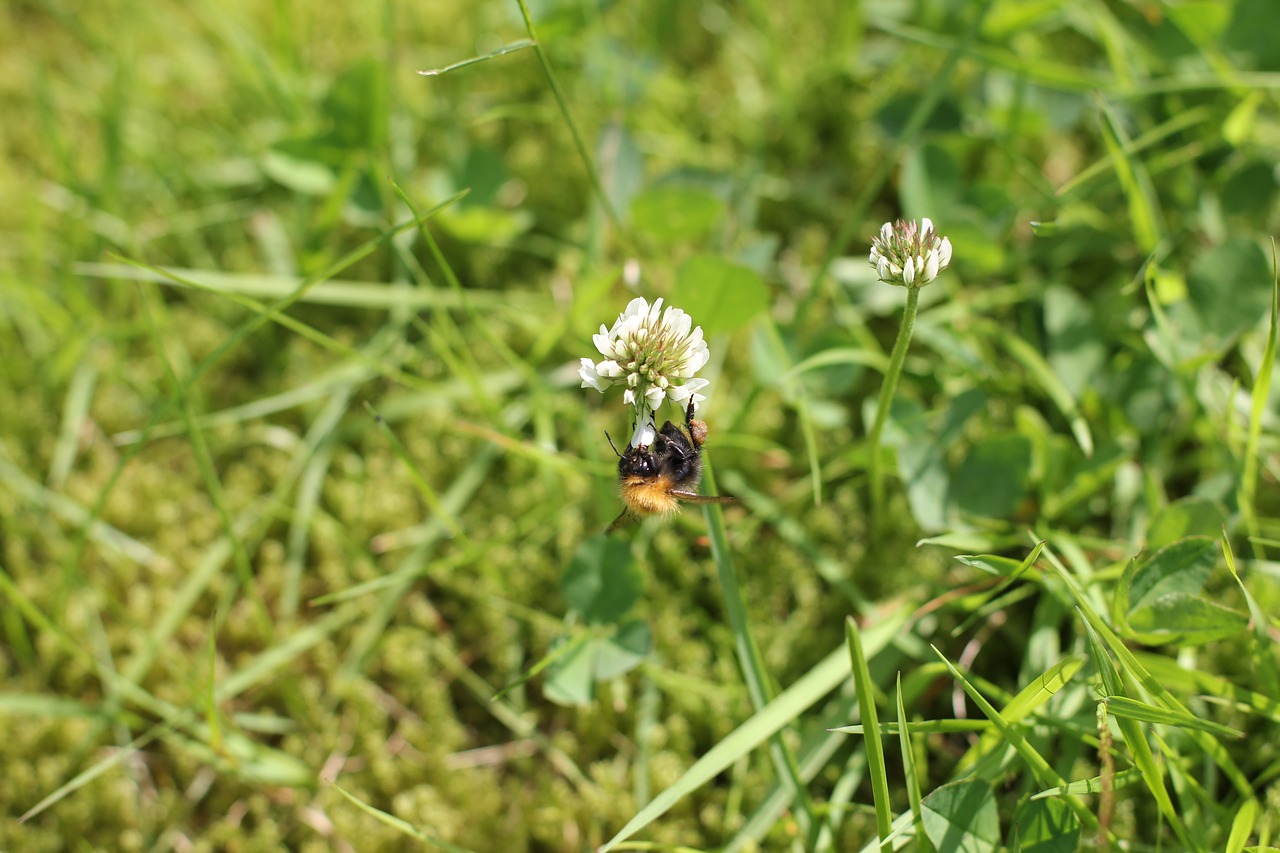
<point x="910" y="255"/>
<point x="652" y="353"/>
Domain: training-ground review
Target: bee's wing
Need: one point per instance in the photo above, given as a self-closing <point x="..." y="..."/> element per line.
<point x="695" y="498"/>
<point x="626" y="519"/>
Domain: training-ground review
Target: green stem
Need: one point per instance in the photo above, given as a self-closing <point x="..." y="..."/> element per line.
<point x="883" y="405"/>
<point x="596" y="183"/>
<point x="754" y="672"/>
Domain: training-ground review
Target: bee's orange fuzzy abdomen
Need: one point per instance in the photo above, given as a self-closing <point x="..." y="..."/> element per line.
<point x="649" y="497"/>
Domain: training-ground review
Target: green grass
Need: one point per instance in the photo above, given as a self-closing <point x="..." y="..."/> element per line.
<point x="301" y="502"/>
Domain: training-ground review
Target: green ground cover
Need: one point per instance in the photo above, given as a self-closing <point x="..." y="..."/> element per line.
<point x="301" y="501"/>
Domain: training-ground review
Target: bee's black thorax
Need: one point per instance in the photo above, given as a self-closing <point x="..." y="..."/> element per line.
<point x="673" y="455"/>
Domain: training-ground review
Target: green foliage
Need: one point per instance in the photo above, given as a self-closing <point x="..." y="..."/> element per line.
<point x="1161" y="597"/>
<point x="1046" y="826"/>
<point x="301" y="501"/>
<point x="601" y="584"/>
<point x="961" y="816"/>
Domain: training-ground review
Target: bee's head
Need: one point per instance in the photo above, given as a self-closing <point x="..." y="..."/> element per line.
<point x="637" y="462"/>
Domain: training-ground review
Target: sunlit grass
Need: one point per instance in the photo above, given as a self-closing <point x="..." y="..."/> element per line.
<point x="301" y="501"/>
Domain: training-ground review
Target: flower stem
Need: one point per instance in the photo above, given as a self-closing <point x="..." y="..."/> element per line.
<point x="885" y="401"/>
<point x="754" y="671"/>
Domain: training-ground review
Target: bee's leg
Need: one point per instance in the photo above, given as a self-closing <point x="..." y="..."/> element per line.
<point x="697" y="429"/>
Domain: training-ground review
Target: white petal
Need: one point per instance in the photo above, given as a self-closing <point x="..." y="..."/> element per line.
<point x="908" y="272"/>
<point x="590" y="377"/>
<point x="931" y="266"/>
<point x="944" y="254"/>
<point x="883" y="270"/>
<point x="629" y="397"/>
<point x="926" y="225"/>
<point x="609" y="369"/>
<point x="678" y="322"/>
<point x="886" y="232"/>
<point x="680" y="393"/>
<point x="698" y="355"/>
<point x="645" y="431"/>
<point x="637" y="307"/>
<point x="654" y="396"/>
<point x="655" y="311"/>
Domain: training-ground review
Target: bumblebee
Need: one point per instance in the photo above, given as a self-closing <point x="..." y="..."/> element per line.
<point x="655" y="478"/>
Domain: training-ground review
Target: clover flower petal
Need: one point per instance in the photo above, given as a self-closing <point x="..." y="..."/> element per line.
<point x="655" y="354"/>
<point x="908" y="253"/>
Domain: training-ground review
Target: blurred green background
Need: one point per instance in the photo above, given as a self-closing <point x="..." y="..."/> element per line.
<point x="291" y="486"/>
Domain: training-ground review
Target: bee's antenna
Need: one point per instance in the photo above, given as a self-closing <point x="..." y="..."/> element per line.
<point x="611" y="444"/>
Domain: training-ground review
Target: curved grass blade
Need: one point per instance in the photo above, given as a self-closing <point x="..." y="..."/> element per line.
<point x="1094" y="785"/>
<point x="909" y="771"/>
<point x="789" y="704"/>
<point x="749" y="657"/>
<point x="1131" y="709"/>
<point x="502" y="51"/>
<point x="399" y="825"/>
<point x="1042" y="374"/>
<point x="1152" y="685"/>
<point x="1257" y="410"/>
<point x="871" y="725"/>
<point x="1011" y="734"/>
<point x="592" y="173"/>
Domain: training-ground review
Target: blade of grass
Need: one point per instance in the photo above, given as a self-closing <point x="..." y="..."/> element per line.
<point x="519" y="724"/>
<point x="112" y="539"/>
<point x="493" y="54"/>
<point x="799" y="399"/>
<point x="1264" y="661"/>
<point x="749" y="658"/>
<point x="75" y="413"/>
<point x="1247" y="500"/>
<point x="1040" y="768"/>
<point x="1043" y="375"/>
<point x="241" y="332"/>
<point x="1135" y="739"/>
<point x="420" y="482"/>
<point x="303" y="330"/>
<point x="1242" y="826"/>
<point x="923" y="727"/>
<point x="839" y="803"/>
<point x="1095" y="785"/>
<point x="1005" y="582"/>
<point x="457" y="496"/>
<point x="339" y="293"/>
<point x="590" y="166"/>
<point x="788" y="705"/>
<point x="1132" y="709"/>
<point x="1143" y="201"/>
<point x="1152" y="685"/>
<point x="985" y="757"/>
<point x="320" y="435"/>
<point x="401" y="826"/>
<point x="815" y="754"/>
<point x="116" y="758"/>
<point x="871" y="726"/>
<point x="910" y="774"/>
<point x="208" y="473"/>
